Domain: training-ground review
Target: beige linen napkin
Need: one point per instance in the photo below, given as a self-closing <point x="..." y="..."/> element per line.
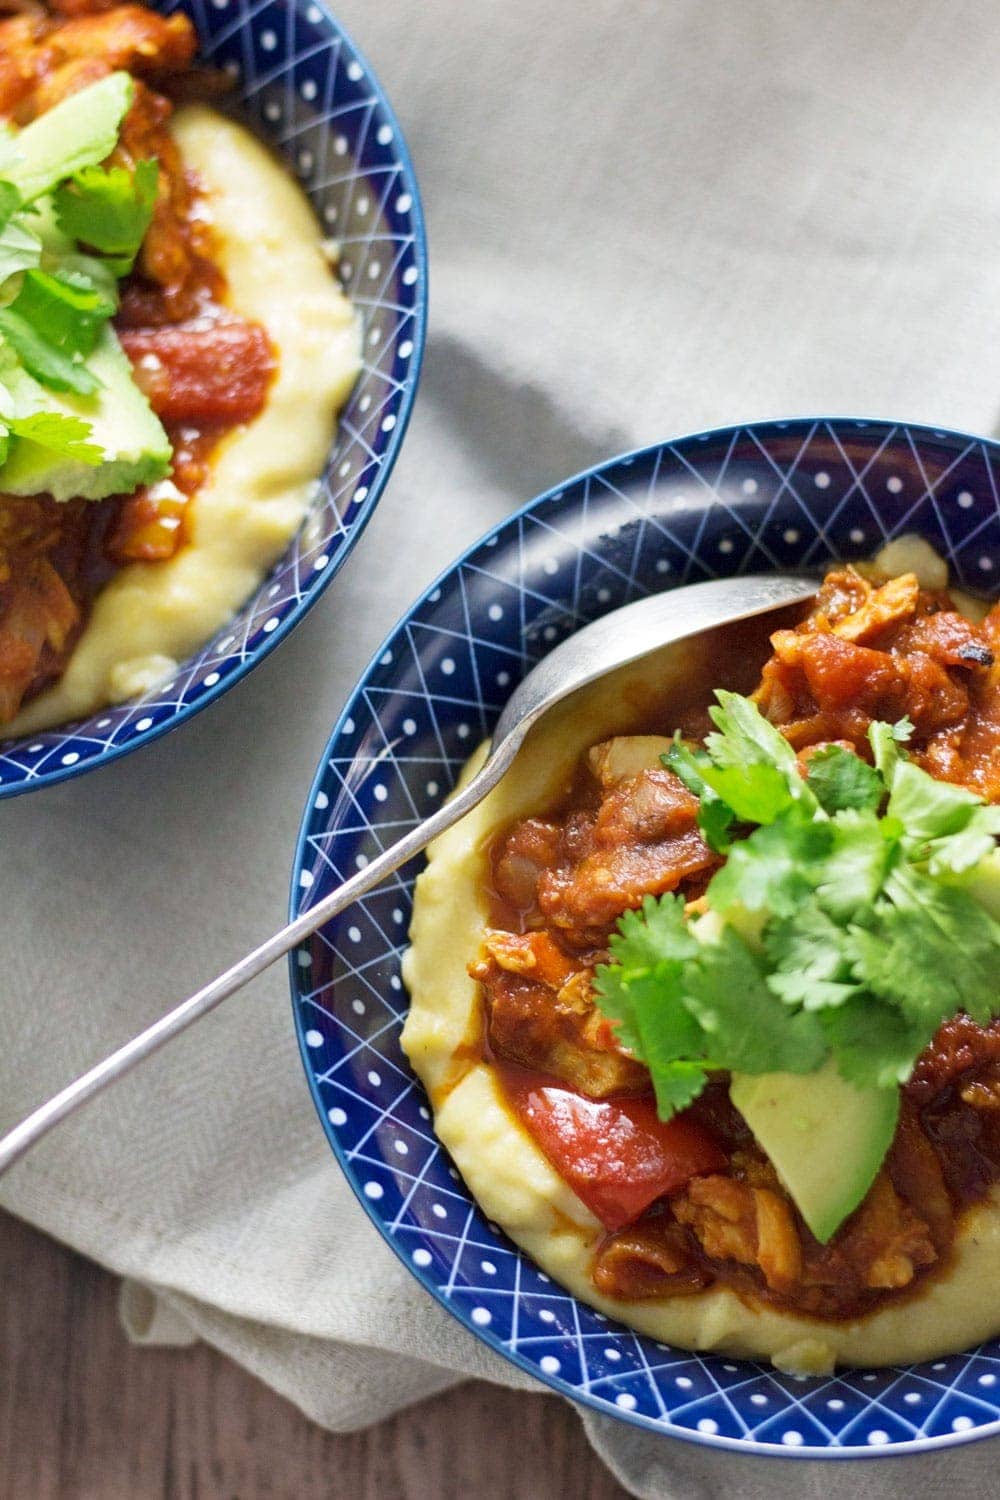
<point x="644" y="218"/>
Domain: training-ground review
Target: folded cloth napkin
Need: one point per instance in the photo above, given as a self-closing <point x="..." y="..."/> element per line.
<point x="644" y="218"/>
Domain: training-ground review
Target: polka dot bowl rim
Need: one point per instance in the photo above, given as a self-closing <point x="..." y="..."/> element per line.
<point x="751" y="483"/>
<point x="297" y="71"/>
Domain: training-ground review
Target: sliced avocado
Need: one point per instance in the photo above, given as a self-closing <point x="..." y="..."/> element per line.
<point x="136" y="448"/>
<point x="825" y="1138"/>
<point x="78" y="132"/>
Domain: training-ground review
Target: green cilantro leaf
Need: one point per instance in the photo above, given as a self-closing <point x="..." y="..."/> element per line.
<point x="885" y="740"/>
<point x="750" y="765"/>
<point x="109" y="209"/>
<point x="851" y="875"/>
<point x="90" y="274"/>
<point x="652" y="1023"/>
<point x="655" y="934"/>
<point x="929" y="948"/>
<point x="745" y="737"/>
<point x="756" y="792"/>
<point x="62" y="312"/>
<point x="43" y="360"/>
<point x="20" y="247"/>
<point x="671" y="1041"/>
<point x="66" y="436"/>
<point x="747" y="1028"/>
<point x="928" y="808"/>
<point x="640" y="993"/>
<point x="687" y="765"/>
<point x="54" y="300"/>
<point x="840" y="779"/>
<point x="613" y="995"/>
<point x="860" y="939"/>
<point x="714" y="822"/>
<point x="875" y="1046"/>
<point x="769" y="870"/>
<point x="810" y="959"/>
<point x="949" y="827"/>
<point x="715" y="817"/>
<point x="965" y="850"/>
<point x="676" y="1084"/>
<point x="649" y="947"/>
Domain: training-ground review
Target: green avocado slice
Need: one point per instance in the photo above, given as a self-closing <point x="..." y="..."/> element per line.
<point x="78" y="132"/>
<point x="136" y="450"/>
<point x="826" y="1138"/>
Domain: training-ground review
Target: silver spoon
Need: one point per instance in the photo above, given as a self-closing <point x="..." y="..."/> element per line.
<point x="616" y="639"/>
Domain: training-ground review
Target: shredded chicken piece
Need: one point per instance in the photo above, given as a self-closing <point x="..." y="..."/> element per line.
<point x="647" y="1261"/>
<point x="734" y="1221"/>
<point x="779" y="1250"/>
<point x="893" y="601"/>
<point x="541" y="1015"/>
<point x="886" y="1241"/>
<point x="533" y="953"/>
<point x="884" y="1244"/>
<point x="43" y="59"/>
<point x="883" y="652"/>
<point x="723" y="1215"/>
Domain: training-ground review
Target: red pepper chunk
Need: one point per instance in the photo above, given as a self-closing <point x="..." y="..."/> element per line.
<point x="617" y="1155"/>
<point x="214" y="374"/>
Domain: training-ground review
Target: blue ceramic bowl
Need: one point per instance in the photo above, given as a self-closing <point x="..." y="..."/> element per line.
<point x="307" y="90"/>
<point x="778" y="495"/>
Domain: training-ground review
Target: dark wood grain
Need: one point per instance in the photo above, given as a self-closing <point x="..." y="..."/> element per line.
<point x="84" y="1416"/>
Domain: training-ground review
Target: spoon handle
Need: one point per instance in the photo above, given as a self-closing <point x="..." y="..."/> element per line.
<point x="621" y="637"/>
<point x="41" y="1120"/>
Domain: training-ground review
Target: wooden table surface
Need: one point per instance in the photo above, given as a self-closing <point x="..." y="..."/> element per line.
<point x="85" y="1416"/>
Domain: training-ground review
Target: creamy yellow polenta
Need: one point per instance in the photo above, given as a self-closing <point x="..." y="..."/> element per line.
<point x="150" y="616"/>
<point x="506" y="1172"/>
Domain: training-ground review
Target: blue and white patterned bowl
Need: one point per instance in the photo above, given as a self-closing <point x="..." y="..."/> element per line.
<point x="307" y="90"/>
<point x="777" y="495"/>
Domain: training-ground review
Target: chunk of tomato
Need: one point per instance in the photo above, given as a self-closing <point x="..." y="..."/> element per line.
<point x="617" y="1155"/>
<point x="219" y="373"/>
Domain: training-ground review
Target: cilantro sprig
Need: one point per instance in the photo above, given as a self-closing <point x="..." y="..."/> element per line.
<point x="20" y="247"/>
<point x="109" y="210"/>
<point x="843" y="922"/>
<point x="70" y="227"/>
<point x="62" y="436"/>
